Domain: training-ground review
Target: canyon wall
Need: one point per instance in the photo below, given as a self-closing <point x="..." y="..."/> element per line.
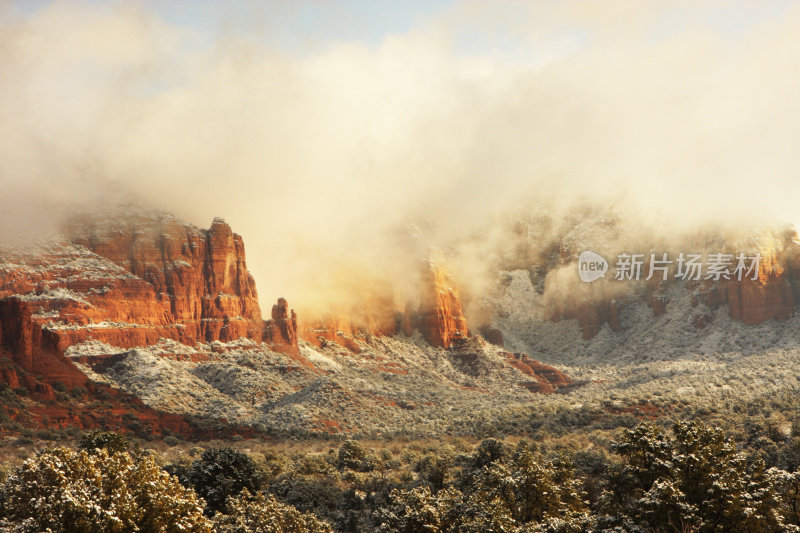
<point x="773" y="294"/>
<point x="438" y="316"/>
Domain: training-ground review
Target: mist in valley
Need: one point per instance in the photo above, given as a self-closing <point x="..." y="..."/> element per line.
<point x="488" y="132"/>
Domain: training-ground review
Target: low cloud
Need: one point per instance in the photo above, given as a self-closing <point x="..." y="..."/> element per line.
<point x="346" y="161"/>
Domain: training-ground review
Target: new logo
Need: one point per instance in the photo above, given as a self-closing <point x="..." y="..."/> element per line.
<point x="591" y="266"/>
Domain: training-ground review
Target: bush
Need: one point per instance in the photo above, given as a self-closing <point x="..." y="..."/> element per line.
<point x="221" y="473"/>
<point x="82" y="492"/>
<point x="524" y="489"/>
<point x="696" y="478"/>
<point x="78" y="392"/>
<point x="418" y="510"/>
<point x="434" y="469"/>
<point x="351" y="455"/>
<point x="103" y="440"/>
<point x="262" y="514"/>
<point x="489" y="451"/>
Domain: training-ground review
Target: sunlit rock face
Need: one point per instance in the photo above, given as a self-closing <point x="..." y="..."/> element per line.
<point x="372" y="312"/>
<point x="199" y="277"/>
<point x="440" y="318"/>
<point x="281" y="331"/>
<point x="129" y="282"/>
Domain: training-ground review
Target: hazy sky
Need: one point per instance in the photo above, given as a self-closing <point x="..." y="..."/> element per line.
<point x="319" y="129"/>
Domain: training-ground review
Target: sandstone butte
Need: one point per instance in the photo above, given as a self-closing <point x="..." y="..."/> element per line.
<point x="129" y="281"/>
<point x="132" y="280"/>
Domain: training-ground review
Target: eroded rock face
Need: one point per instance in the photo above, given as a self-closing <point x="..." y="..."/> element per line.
<point x="199" y="278"/>
<point x="341" y="329"/>
<point x="591" y="316"/>
<point x="115" y="289"/>
<point x="773" y="295"/>
<point x="770" y="296"/>
<point x="373" y="314"/>
<point x="18" y="332"/>
<point x="593" y="305"/>
<point x="148" y="278"/>
<point x="129" y="282"/>
<point x="440" y="318"/>
<point x="281" y="331"/>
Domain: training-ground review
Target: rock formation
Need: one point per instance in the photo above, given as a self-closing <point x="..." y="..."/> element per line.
<point x="281" y="331"/>
<point x="773" y="294"/>
<point x="439" y="316"/>
<point x="128" y="282"/>
<point x="546" y="378"/>
<point x="115" y="283"/>
<point x="591" y="316"/>
<point x="199" y="278"/>
<point x="372" y="313"/>
<point x="770" y="296"/>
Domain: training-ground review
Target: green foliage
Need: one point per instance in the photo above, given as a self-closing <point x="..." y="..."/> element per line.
<point x="353" y="456"/>
<point x="103" y="440"/>
<point x="323" y="496"/>
<point x="434" y="469"/>
<point x="419" y="510"/>
<point x="489" y="451"/>
<point x="311" y="464"/>
<point x="273" y="465"/>
<point x="788" y="485"/>
<point x="82" y="492"/>
<point x="697" y="478"/>
<point x="181" y="471"/>
<point x="652" y="480"/>
<point x="264" y="514"/>
<point x="524" y="489"/>
<point x="504" y="491"/>
<point x="221" y="473"/>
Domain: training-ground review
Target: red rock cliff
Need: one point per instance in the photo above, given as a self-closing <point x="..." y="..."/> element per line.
<point x="374" y="313"/>
<point x="281" y="331"/>
<point x="146" y="278"/>
<point x="767" y="297"/>
<point x="773" y="294"/>
<point x="199" y="277"/>
<point x="439" y="316"/>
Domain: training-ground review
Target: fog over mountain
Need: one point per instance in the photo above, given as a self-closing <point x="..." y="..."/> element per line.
<point x="343" y="160"/>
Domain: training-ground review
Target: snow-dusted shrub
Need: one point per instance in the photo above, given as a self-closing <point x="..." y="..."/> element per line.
<point x="110" y="441"/>
<point x="695" y="478"/>
<point x="221" y="473"/>
<point x="82" y="492"/>
<point x="264" y="514"/>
